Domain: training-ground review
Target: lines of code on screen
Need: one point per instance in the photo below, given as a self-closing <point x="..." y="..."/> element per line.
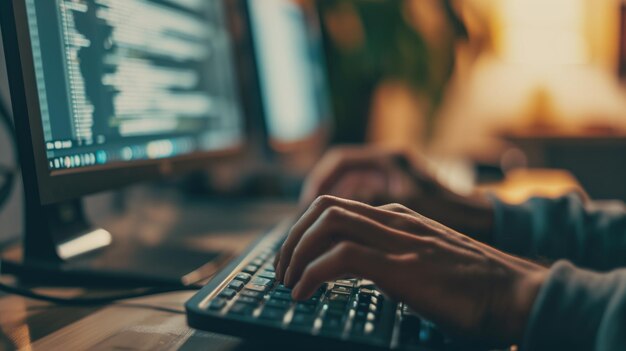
<point x="123" y="80"/>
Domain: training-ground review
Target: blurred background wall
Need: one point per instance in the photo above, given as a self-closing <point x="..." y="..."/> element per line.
<point x="517" y="63"/>
<point x="549" y="65"/>
<point x="510" y="83"/>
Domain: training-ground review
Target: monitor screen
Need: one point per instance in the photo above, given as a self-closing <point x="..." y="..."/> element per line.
<point x="292" y="75"/>
<point x="127" y="80"/>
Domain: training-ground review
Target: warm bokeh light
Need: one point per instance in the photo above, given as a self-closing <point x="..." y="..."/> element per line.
<point x="539" y="64"/>
<point x="544" y="31"/>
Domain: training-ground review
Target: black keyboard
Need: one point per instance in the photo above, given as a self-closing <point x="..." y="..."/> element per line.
<point x="245" y="300"/>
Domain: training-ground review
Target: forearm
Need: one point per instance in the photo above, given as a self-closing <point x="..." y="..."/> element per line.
<point x="563" y="228"/>
<point x="578" y="310"/>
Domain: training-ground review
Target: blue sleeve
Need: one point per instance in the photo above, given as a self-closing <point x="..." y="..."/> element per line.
<point x="578" y="310"/>
<point x="562" y="228"/>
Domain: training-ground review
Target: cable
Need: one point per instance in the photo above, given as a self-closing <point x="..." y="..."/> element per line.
<point x="146" y="306"/>
<point x="88" y="301"/>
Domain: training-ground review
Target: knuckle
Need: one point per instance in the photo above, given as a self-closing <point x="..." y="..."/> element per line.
<point x="324" y="201"/>
<point x="346" y="250"/>
<point x="333" y="214"/>
<point x="397" y="207"/>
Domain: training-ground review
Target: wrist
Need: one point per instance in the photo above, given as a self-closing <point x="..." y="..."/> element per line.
<point x="512" y="309"/>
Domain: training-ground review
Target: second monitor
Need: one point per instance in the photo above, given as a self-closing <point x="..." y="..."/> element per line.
<point x="291" y="73"/>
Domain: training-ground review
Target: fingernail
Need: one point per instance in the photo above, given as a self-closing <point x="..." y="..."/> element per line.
<point x="288" y="277"/>
<point x="279" y="274"/>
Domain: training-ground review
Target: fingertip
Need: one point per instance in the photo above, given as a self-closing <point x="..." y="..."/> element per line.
<point x="299" y="294"/>
<point x="295" y="293"/>
<point x="288" y="278"/>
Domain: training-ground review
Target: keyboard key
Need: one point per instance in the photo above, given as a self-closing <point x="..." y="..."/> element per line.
<point x="361" y="315"/>
<point x="228" y="293"/>
<point x="337" y="306"/>
<point x="338" y="302"/>
<point x="332" y="324"/>
<point x="268" y="275"/>
<point x="342" y="290"/>
<point x="241" y="309"/>
<point x="338" y="297"/>
<point x="273" y="303"/>
<point x="280" y="295"/>
<point x="244" y="277"/>
<point x="310" y="309"/>
<point x="302" y="320"/>
<point x="358" y="327"/>
<point x="312" y="301"/>
<point x="259" y="288"/>
<point x="257" y="262"/>
<point x="345" y="283"/>
<point x="217" y="304"/>
<point x="273" y="314"/>
<point x="283" y="288"/>
<point x="236" y="285"/>
<point x="248" y="300"/>
<point x="251" y="269"/>
<point x="262" y="281"/>
<point x="270" y="269"/>
<point x="365" y="306"/>
<point x="252" y="294"/>
<point x="369" y="292"/>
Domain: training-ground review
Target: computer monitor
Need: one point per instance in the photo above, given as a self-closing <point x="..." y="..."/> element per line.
<point x="109" y="92"/>
<point x="291" y="72"/>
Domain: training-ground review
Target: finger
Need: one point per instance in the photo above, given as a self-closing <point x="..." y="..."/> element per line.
<point x="344" y="259"/>
<point x="322" y="204"/>
<point x="335" y="166"/>
<point x="398" y="208"/>
<point x="337" y="225"/>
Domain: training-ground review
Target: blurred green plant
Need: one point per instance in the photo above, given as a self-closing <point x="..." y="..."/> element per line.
<point x="371" y="41"/>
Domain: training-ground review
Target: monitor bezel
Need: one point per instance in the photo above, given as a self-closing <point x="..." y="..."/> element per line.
<point x="316" y="141"/>
<point x="63" y="185"/>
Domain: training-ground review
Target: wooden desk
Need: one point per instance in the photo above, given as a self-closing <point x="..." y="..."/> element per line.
<point x="139" y="324"/>
<point x="151" y="323"/>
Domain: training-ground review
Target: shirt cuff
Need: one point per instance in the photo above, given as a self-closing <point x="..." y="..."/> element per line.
<point x="513" y="227"/>
<point x="569" y="309"/>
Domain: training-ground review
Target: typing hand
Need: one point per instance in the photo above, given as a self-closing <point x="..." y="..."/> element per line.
<point x="374" y="175"/>
<point x="469" y="289"/>
<point x="367" y="174"/>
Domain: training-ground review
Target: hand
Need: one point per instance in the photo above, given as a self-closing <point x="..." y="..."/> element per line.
<point x="468" y="288"/>
<point x="375" y="175"/>
<point x="368" y="174"/>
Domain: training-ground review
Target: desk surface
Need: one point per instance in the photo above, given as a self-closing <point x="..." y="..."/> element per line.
<point x="158" y="322"/>
<point x="151" y="323"/>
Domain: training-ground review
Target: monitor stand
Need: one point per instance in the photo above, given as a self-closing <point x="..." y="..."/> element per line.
<point x="60" y="247"/>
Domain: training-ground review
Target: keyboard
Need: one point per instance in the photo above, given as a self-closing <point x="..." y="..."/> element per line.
<point x="246" y="301"/>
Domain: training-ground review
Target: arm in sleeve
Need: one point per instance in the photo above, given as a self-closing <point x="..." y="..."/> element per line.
<point x="578" y="310"/>
<point x="562" y="228"/>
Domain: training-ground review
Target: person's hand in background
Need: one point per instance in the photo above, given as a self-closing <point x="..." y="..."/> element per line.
<point x="467" y="288"/>
<point x="375" y="175"/>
